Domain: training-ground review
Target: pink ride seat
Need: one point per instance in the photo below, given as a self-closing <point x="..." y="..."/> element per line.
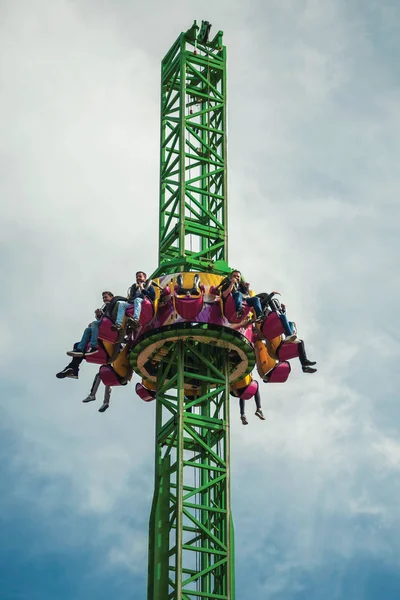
<point x="100" y="358"/>
<point x="109" y="376"/>
<point x="272" y="327"/>
<point x="279" y="374"/>
<point x="230" y="311"/>
<point x="250" y="391"/>
<point x="287" y="350"/>
<point x="188" y="307"/>
<point x="143" y="393"/>
<point x="105" y="331"/>
<point x="146" y="314"/>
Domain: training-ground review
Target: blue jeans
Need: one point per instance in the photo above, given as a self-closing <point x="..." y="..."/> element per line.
<point x="238" y="300"/>
<point x="255" y="303"/>
<point x="91" y="335"/>
<point x="288" y="326"/>
<point x="122" y="306"/>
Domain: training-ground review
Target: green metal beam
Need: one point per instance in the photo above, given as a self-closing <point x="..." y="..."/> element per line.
<point x="193" y="169"/>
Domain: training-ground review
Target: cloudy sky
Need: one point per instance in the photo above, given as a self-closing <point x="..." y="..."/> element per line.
<point x="314" y="129"/>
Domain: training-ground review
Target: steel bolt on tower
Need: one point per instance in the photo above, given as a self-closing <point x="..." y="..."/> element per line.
<point x="191" y="547"/>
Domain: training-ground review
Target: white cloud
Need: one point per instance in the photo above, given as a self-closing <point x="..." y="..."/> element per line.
<point x="313" y="140"/>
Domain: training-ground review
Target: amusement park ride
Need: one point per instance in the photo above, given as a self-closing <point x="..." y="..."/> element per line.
<point x="191" y="347"/>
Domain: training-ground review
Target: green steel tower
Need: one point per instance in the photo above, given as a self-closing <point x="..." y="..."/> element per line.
<point x="192" y="363"/>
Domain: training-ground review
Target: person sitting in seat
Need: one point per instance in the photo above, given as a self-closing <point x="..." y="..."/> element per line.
<point x="137" y="292"/>
<point x="235" y="285"/>
<point x="194" y="291"/>
<point x="91" y="333"/>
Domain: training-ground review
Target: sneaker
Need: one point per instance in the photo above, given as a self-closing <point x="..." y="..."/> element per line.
<point x="89" y="398"/>
<point x="259" y="414"/>
<point x="134" y="323"/>
<point x="291" y="339"/>
<point x="67" y="372"/>
<point x="116" y="327"/>
<point x="309" y="363"/>
<point x="260" y="318"/>
<point x="75" y="353"/>
<point x="239" y="313"/>
<point x="244" y="420"/>
<point x="92" y="350"/>
<point x="309" y="370"/>
<point x="104" y="407"/>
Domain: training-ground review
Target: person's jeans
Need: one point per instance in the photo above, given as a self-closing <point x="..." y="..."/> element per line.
<point x="91" y="335"/>
<point x="238" y="300"/>
<point x="137" y="307"/>
<point x="255" y="303"/>
<point x="288" y="326"/>
<point x="122" y="306"/>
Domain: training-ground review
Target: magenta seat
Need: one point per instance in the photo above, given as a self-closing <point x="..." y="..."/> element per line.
<point x="272" y="326"/>
<point x="188" y="307"/>
<point x="250" y="391"/>
<point x="143" y="393"/>
<point x="100" y="358"/>
<point x="146" y="314"/>
<point x="279" y="374"/>
<point x="108" y="375"/>
<point x="105" y="331"/>
<point x="287" y="350"/>
<point x="230" y="311"/>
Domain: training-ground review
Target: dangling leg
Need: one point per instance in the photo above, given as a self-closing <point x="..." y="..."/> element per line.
<point x="95" y="386"/>
<point x="305" y="363"/>
<point x="242" y="415"/>
<point x="259" y="412"/>
<point x="106" y="402"/>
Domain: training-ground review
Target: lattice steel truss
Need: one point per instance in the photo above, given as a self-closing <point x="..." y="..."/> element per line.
<point x="193" y="201"/>
<point x="191" y="554"/>
<point x="191" y="533"/>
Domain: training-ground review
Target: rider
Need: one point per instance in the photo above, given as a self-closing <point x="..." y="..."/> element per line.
<point x="91" y="333"/>
<point x="235" y="285"/>
<point x="137" y="292"/>
<point x="72" y="369"/>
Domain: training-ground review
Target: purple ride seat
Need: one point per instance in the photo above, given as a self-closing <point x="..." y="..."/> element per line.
<point x="287" y="350"/>
<point x="230" y="310"/>
<point x="146" y="314"/>
<point x="105" y="331"/>
<point x="279" y="374"/>
<point x="109" y="376"/>
<point x="143" y="393"/>
<point x="188" y="307"/>
<point x="250" y="391"/>
<point x="272" y="326"/>
<point x="100" y="358"/>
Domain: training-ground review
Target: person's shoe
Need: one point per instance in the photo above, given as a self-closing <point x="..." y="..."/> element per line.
<point x="92" y="350"/>
<point x="259" y="414"/>
<point x="196" y="281"/>
<point x="75" y="353"/>
<point x="309" y="370"/>
<point x="104" y="407"/>
<point x="134" y="323"/>
<point x="260" y="318"/>
<point x="89" y="398"/>
<point x="309" y="363"/>
<point x="67" y="372"/>
<point x="244" y="420"/>
<point x="239" y="313"/>
<point x="291" y="338"/>
<point x="116" y="327"/>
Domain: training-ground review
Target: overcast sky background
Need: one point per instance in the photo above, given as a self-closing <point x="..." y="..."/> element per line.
<point x="314" y="129"/>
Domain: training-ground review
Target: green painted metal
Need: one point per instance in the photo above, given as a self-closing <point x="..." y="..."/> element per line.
<point x="191" y="550"/>
<point x="193" y="175"/>
<point x="191" y="534"/>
